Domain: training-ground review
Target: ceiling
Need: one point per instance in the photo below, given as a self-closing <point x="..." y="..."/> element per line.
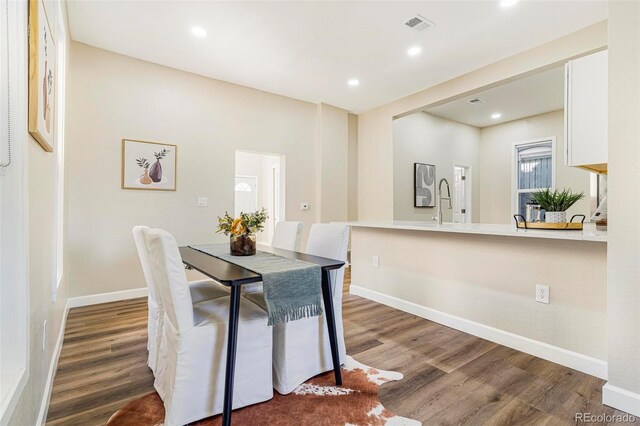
<point x="308" y="50"/>
<point x="526" y="97"/>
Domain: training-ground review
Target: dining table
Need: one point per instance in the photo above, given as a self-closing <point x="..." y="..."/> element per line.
<point x="234" y="277"/>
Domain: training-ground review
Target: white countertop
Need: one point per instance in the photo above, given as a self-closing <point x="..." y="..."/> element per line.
<point x="589" y="233"/>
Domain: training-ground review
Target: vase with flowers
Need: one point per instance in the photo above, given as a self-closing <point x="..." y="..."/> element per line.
<point x="242" y="231"/>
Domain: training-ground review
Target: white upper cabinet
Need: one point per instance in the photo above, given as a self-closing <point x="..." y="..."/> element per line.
<point x="586" y="112"/>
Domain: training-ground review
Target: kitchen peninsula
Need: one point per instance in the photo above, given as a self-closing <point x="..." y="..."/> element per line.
<point x="482" y="278"/>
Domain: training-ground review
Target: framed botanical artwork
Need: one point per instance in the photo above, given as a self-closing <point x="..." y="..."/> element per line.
<point x="42" y="75"/>
<point x="424" y="185"/>
<point x="149" y="165"/>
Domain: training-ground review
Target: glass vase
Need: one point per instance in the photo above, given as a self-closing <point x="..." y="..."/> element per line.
<point x="243" y="245"/>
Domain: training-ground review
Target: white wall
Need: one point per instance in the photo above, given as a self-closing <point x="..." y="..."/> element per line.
<point x="496" y="147"/>
<point x="375" y="127"/>
<point x="623" y="308"/>
<point x="425" y="138"/>
<point x="112" y="97"/>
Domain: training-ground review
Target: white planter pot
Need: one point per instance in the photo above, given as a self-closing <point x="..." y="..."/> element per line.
<point x="555" y="217"/>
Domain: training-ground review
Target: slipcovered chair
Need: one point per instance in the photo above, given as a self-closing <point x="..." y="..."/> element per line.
<point x="286" y="236"/>
<point x="200" y="290"/>
<point x="301" y="348"/>
<point x="191" y="365"/>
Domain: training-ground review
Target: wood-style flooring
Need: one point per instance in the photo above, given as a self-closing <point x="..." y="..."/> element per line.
<point x="450" y="377"/>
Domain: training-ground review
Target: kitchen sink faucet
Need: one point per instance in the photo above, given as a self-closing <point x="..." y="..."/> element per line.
<point x="438" y="216"/>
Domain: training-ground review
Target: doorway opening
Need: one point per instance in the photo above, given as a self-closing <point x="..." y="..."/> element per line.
<point x="259" y="182"/>
<point x="461" y="194"/>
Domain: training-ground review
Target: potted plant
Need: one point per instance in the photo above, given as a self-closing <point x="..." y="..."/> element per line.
<point x="243" y="231"/>
<point x="556" y="203"/>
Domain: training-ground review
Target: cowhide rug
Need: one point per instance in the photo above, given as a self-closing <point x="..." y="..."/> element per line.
<point x="316" y="402"/>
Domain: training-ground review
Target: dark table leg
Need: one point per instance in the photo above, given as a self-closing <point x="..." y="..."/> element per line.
<point x="232" y="342"/>
<point x="327" y="295"/>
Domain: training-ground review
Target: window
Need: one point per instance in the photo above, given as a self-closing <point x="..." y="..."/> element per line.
<point x="534" y="169"/>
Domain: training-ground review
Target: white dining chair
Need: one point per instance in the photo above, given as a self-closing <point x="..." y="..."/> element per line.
<point x="200" y="290"/>
<point x="191" y="365"/>
<point x="301" y="348"/>
<point x="286" y="236"/>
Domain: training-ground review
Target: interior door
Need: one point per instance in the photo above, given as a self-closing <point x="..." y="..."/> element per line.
<point x="246" y="189"/>
<point x="459" y="195"/>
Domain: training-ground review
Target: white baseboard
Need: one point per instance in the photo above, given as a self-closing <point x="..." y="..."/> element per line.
<point x="621" y="399"/>
<point x="577" y="361"/>
<point x="53" y="366"/>
<point x="114" y="296"/>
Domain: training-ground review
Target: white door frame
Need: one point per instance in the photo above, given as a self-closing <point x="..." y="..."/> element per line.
<point x="468" y="187"/>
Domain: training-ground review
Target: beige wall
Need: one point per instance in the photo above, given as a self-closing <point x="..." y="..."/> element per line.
<point x="411" y="270"/>
<point x="624" y="197"/>
<point x="113" y="97"/>
<point x="40" y="165"/>
<point x="332" y="146"/>
<point x="425" y="138"/>
<point x="352" y="159"/>
<point x="375" y="127"/>
<point x="496" y="149"/>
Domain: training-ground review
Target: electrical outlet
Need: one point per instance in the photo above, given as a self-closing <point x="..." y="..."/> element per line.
<point x="44" y="335"/>
<point x="203" y="201"/>
<point x="375" y="261"/>
<point x="542" y="293"/>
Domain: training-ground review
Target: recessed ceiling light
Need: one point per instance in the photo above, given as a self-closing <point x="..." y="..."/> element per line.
<point x="496" y="115"/>
<point x="198" y="32"/>
<point x="353" y="82"/>
<point x="414" y="51"/>
<point x="508" y="3"/>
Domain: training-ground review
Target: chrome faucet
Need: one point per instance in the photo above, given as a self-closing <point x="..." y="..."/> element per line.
<point x="438" y="216"/>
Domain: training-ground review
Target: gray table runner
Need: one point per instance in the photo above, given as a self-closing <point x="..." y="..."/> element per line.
<point x="292" y="288"/>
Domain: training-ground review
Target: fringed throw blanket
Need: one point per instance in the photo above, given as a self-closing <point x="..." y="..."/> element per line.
<point x="292" y="288"/>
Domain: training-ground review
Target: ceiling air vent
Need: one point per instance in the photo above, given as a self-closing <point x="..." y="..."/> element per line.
<point x="476" y="101"/>
<point x="419" y="23"/>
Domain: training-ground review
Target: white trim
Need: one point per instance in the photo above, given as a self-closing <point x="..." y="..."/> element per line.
<point x="621" y="399"/>
<point x="53" y="367"/>
<point x="114" y="296"/>
<point x="577" y="361"/>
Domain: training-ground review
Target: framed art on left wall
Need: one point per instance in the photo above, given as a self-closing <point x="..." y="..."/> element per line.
<point x="42" y="75"/>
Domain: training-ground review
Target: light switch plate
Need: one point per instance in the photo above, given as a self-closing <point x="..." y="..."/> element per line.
<point x="375" y="261"/>
<point x="203" y="201"/>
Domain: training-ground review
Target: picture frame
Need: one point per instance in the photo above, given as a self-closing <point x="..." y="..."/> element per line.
<point x="424" y="185"/>
<point x="149" y="165"/>
<point x="42" y="76"/>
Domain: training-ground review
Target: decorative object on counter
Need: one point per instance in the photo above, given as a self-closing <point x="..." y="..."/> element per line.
<point x="424" y="185"/>
<point x="42" y="75"/>
<point x="572" y="225"/>
<point x="243" y="231"/>
<point x="139" y="173"/>
<point x="556" y="203"/>
<point x="533" y="212"/>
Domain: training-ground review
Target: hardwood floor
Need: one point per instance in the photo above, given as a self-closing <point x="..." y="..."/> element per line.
<point x="450" y="378"/>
